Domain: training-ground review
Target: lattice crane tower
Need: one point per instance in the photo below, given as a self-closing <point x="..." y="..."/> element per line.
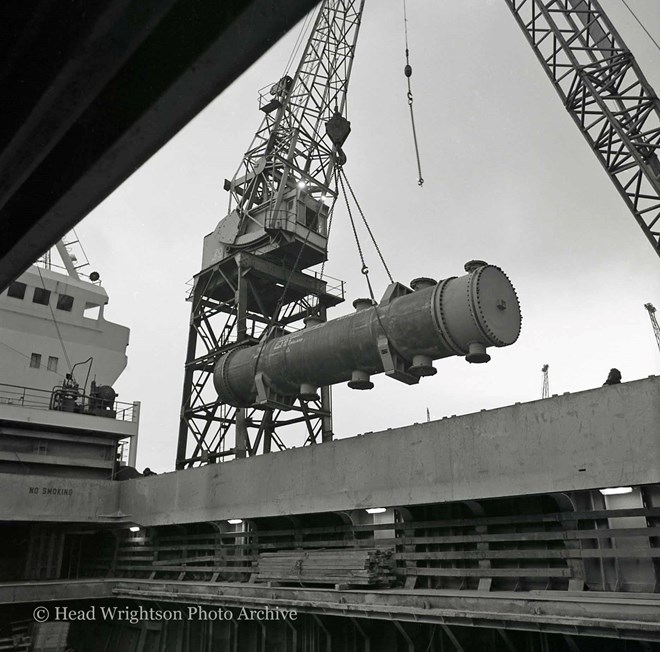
<point x="654" y="322"/>
<point x="253" y="282"/>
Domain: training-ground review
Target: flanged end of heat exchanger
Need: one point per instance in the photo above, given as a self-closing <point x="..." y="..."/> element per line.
<point x="495" y="310"/>
<point x="496" y="305"/>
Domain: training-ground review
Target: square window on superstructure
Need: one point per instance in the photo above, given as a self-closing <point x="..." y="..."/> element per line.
<point x="92" y="311"/>
<point x="35" y="360"/>
<point x="16" y="290"/>
<point x="52" y="363"/>
<point x="41" y="296"/>
<point x="65" y="302"/>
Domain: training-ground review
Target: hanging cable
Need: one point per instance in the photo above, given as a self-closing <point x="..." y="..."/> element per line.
<point x="408" y="73"/>
<point x="41" y="366"/>
<point x="330" y="216"/>
<point x="57" y="326"/>
<point x="641" y="24"/>
<point x="299" y="41"/>
<point x="365" y="269"/>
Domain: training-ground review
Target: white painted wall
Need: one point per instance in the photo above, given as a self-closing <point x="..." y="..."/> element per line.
<point x="27" y="327"/>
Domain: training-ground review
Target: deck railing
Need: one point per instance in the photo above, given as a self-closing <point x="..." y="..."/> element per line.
<point x="40" y="399"/>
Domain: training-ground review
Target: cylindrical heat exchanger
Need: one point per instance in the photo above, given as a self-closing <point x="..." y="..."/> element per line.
<point x="400" y="336"/>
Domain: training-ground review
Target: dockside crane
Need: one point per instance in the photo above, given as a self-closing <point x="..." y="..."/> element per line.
<point x="253" y="282"/>
<point x="545" y="391"/>
<point x="654" y="322"/>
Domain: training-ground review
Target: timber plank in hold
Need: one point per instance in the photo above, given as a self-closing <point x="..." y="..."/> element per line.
<point x="361" y="567"/>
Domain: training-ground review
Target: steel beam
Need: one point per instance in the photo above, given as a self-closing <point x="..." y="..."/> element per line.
<point x="624" y="616"/>
<point x="95" y="93"/>
<point x="621" y="616"/>
<point x="406" y="638"/>
<point x="588" y="440"/>
<point x="452" y="637"/>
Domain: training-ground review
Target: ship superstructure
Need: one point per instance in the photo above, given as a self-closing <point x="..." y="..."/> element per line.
<point x="59" y="360"/>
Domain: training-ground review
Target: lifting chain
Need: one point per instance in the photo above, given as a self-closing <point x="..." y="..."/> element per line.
<point x="343" y="182"/>
<point x="365" y="269"/>
<point x="366" y="224"/>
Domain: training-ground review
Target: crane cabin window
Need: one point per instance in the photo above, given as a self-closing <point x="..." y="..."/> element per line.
<point x="16" y="290"/>
<point x="311" y="219"/>
<point x="41" y="296"/>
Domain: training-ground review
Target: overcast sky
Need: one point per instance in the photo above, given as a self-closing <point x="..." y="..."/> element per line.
<point x="509" y="179"/>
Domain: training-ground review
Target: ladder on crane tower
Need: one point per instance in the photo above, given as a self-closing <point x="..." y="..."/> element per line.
<point x="654" y="322"/>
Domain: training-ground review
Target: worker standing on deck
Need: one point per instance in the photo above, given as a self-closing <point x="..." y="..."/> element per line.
<point x="613" y="378"/>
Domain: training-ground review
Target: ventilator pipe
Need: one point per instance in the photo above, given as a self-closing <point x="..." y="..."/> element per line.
<point x="400" y="336"/>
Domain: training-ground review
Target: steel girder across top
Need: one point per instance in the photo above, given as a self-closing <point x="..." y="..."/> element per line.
<point x="92" y="90"/>
<point x="605" y="92"/>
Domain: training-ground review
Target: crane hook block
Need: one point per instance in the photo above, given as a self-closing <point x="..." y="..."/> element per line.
<point x="400" y="337"/>
<point x="338" y="129"/>
<point x="407" y="71"/>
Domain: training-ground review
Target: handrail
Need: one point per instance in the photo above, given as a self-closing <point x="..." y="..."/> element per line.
<point x="40" y="399"/>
